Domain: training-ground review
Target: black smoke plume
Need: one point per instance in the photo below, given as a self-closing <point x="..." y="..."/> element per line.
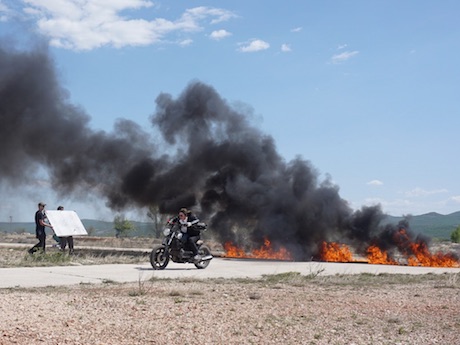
<point x="212" y="160"/>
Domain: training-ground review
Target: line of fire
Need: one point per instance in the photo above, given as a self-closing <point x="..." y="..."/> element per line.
<point x="407" y="252"/>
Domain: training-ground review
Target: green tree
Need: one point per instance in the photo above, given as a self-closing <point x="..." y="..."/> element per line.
<point x="91" y="230"/>
<point x="122" y="226"/>
<point x="158" y="219"/>
<point x="455" y="235"/>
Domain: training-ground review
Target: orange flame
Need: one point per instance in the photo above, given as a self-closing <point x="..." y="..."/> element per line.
<point x="421" y="256"/>
<point x="232" y="251"/>
<point x="416" y="253"/>
<point x="334" y="252"/>
<point x="376" y="256"/>
<point x="264" y="252"/>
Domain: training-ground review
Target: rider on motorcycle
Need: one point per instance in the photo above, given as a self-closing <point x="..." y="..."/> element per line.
<point x="181" y="243"/>
<point x="187" y="220"/>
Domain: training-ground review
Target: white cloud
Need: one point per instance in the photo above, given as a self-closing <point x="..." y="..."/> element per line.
<point x="70" y="25"/>
<point x="219" y="34"/>
<point x="203" y="12"/>
<point x="5" y="12"/>
<point x="339" y="58"/>
<point x="186" y="42"/>
<point x="456" y="198"/>
<point x="253" y="46"/>
<point x="409" y="205"/>
<point x="298" y="29"/>
<point x="419" y="192"/>
<point x="386" y="205"/>
<point x="342" y="46"/>
<point x="374" y="183"/>
<point x="285" y="48"/>
<point x="372" y="201"/>
<point x="396" y="207"/>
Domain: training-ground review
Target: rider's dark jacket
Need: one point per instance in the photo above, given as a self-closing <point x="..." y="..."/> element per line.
<point x="193" y="220"/>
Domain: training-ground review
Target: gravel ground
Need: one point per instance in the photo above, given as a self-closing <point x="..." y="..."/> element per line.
<point x="287" y="309"/>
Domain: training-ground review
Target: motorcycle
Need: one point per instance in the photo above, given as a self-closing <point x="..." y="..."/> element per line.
<point x="174" y="248"/>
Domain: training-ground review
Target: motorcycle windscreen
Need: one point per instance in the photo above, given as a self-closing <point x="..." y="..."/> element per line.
<point x="66" y="223"/>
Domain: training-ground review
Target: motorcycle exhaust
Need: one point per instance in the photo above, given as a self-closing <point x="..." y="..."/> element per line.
<point x="206" y="258"/>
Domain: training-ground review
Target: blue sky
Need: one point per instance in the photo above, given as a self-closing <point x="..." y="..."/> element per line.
<point x="365" y="90"/>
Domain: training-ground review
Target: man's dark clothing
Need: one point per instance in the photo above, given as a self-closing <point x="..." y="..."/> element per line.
<point x="191" y="242"/>
<point x="192" y="235"/>
<point x="39" y="233"/>
<point x="65" y="241"/>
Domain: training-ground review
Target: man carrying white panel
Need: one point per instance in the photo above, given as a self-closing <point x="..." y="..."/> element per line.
<point x="66" y="224"/>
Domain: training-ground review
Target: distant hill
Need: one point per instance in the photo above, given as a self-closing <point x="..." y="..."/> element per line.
<point x="431" y="224"/>
<point x="94" y="228"/>
<point x="102" y="228"/>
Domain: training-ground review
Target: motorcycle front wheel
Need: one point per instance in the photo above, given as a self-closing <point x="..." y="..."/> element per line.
<point x="204" y="251"/>
<point x="159" y="258"/>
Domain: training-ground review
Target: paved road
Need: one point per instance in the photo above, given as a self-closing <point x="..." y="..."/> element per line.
<point x="218" y="268"/>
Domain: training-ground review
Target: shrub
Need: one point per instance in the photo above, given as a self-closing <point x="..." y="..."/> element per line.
<point x="455" y="235"/>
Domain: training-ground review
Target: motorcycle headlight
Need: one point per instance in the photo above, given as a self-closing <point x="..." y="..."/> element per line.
<point x="166" y="231"/>
<point x="179" y="235"/>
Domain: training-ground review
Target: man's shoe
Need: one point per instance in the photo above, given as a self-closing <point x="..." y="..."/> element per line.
<point x="197" y="258"/>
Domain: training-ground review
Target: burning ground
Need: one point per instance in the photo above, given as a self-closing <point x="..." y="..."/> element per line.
<point x="215" y="162"/>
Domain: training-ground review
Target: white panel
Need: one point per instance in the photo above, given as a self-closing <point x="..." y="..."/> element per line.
<point x="66" y="223"/>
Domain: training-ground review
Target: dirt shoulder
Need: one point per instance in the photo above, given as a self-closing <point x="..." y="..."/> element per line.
<point x="285" y="308"/>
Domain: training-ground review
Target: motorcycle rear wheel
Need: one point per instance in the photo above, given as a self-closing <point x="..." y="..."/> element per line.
<point x="204" y="251"/>
<point x="159" y="258"/>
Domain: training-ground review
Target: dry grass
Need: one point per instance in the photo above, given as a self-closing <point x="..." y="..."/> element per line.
<point x="288" y="309"/>
<point x="88" y="251"/>
<point x="83" y="241"/>
<point x="18" y="257"/>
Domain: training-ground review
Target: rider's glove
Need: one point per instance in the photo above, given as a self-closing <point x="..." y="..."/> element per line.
<point x="189" y="224"/>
